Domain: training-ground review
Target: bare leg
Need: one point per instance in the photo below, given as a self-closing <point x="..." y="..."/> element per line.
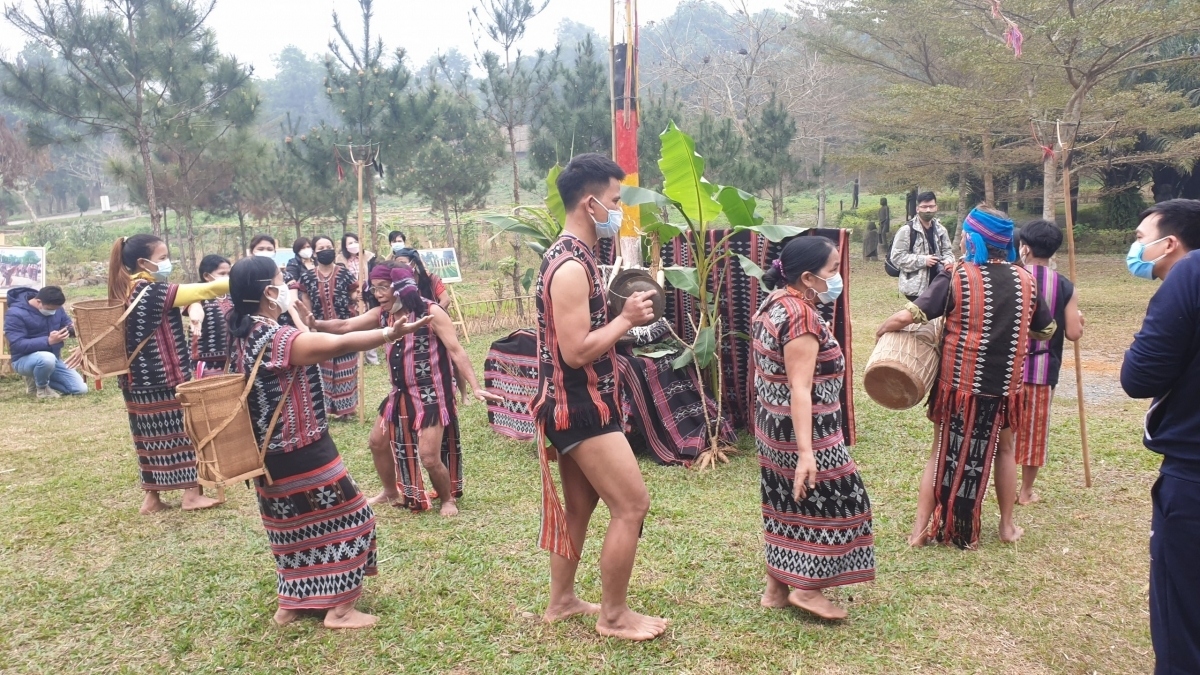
<point x="579" y="501"/>
<point x="609" y="465"/>
<point x="429" y="446"/>
<point x="1005" y="467"/>
<point x="194" y="500"/>
<point x="346" y="617"/>
<point x="776" y="594"/>
<point x="925" y="499"/>
<point x="152" y="503"/>
<point x="385" y="463"/>
<point x="1027" y="495"/>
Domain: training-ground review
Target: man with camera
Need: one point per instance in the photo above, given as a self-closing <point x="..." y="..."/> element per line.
<point x="920" y="247"/>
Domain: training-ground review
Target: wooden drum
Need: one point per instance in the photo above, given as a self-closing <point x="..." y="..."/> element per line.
<point x="904" y="365"/>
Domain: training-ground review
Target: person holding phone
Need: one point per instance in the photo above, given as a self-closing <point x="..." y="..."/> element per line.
<point x="36" y="327"/>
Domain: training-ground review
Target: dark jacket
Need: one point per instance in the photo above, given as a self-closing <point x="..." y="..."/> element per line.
<point x="1164" y="364"/>
<point x="25" y="327"/>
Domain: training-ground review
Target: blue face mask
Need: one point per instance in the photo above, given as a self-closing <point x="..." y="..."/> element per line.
<point x="834" y="284"/>
<point x="397" y="247"/>
<point x="611" y="227"/>
<point x="162" y="270"/>
<point x="47" y="312"/>
<point x="1142" y="269"/>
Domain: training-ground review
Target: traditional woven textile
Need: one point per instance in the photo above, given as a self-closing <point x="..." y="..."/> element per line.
<point x="320" y="528"/>
<point x="210" y="351"/>
<point x="1034" y="432"/>
<point x="660" y="405"/>
<point x="826" y="539"/>
<point x="422" y="396"/>
<point x="1044" y="359"/>
<point x="330" y="299"/>
<point x="740" y="296"/>
<point x="302" y="420"/>
<point x="166" y="458"/>
<point x="511" y="370"/>
<point x="978" y="388"/>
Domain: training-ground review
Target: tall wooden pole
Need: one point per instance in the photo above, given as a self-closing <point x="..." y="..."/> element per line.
<point x="362" y="276"/>
<point x="1070" y="218"/>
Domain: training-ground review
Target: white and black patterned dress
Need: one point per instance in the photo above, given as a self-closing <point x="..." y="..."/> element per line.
<point x="826" y="539"/>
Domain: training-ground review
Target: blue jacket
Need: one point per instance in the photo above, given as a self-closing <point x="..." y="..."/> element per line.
<point x="25" y="327"/>
<point x="1164" y="364"/>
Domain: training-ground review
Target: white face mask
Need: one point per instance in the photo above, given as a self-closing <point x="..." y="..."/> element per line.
<point x="352" y="248"/>
<point x="306" y="253"/>
<point x="265" y="254"/>
<point x="284" y="299"/>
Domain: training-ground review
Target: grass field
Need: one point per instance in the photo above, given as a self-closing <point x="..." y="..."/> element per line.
<point x="91" y="586"/>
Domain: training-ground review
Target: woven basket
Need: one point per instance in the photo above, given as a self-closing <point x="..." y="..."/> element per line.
<point x="218" y="421"/>
<point x="904" y="365"/>
<point x="100" y="325"/>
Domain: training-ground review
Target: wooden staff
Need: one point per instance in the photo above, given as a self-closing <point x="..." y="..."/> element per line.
<point x="1083" y="436"/>
<point x="362" y="276"/>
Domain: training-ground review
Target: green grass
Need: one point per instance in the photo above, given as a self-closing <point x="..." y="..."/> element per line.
<point x="90" y="586"/>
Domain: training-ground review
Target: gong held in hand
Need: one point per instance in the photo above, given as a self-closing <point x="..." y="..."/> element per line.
<point x="630" y="281"/>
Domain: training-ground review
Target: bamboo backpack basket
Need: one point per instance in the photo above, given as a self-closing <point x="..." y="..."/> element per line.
<point x="100" y="325"/>
<point x="217" y="420"/>
<point x="904" y="365"/>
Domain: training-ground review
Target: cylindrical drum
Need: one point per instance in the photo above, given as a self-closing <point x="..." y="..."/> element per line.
<point x="904" y="365"/>
<point x="100" y="325"/>
<point x="218" y="422"/>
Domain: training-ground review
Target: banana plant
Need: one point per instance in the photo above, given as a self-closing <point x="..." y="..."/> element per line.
<point x="699" y="203"/>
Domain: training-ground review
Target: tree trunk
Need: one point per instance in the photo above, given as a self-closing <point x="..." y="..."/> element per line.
<point x="964" y="192"/>
<point x="190" y="272"/>
<point x="516" y="275"/>
<point x="242" y="232"/>
<point x="1049" y="187"/>
<point x="374" y="202"/>
<point x="821" y="183"/>
<point x="449" y="227"/>
<point x="989" y="183"/>
<point x="512" y="148"/>
<point x="462" y="249"/>
<point x="32" y="212"/>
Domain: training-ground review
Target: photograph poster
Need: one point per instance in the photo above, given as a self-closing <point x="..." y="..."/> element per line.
<point x="442" y="262"/>
<point x="22" y="266"/>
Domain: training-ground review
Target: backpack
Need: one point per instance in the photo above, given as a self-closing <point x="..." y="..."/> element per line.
<point x="888" y="265"/>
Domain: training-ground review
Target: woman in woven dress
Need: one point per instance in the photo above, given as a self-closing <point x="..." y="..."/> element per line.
<point x="330" y="291"/>
<point x="418" y="423"/>
<point x="320" y="527"/>
<point x="816" y="513"/>
<point x="139" y="271"/>
<point x="210" y="336"/>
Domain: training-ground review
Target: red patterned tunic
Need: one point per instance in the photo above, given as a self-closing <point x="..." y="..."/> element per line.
<point x="827" y="538"/>
<point x="329" y="296"/>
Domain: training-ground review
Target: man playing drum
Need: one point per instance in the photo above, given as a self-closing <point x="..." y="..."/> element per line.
<point x="992" y="309"/>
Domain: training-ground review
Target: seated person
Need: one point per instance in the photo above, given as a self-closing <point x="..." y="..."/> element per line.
<point x="36" y="327"/>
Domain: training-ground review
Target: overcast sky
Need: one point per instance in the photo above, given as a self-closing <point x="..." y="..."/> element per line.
<point x="256" y="30"/>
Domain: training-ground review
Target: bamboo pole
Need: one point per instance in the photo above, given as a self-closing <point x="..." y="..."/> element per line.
<point x="362" y="275"/>
<point x="1070" y="219"/>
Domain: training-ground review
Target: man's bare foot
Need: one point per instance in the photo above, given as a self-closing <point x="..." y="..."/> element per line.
<point x="1011" y="534"/>
<point x="629" y="625"/>
<point x="1025" y="499"/>
<point x="194" y="500"/>
<point x="346" y="617"/>
<point x="449" y="508"/>
<point x="569" y="608"/>
<point x="152" y="504"/>
<point x="384" y="498"/>
<point x="285" y="616"/>
<point x="815" y="602"/>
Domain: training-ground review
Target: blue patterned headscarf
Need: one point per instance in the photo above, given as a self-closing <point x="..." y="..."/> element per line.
<point x="982" y="229"/>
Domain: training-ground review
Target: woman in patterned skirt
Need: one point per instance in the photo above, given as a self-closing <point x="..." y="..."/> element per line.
<point x="159" y="360"/>
<point x="320" y="527"/>
<point x="330" y="292"/>
<point x="210" y="337"/>
<point x="419" y="416"/>
<point x="816" y="513"/>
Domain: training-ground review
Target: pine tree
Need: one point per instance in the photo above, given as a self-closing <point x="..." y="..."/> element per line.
<point x="578" y="117"/>
<point x="771" y="137"/>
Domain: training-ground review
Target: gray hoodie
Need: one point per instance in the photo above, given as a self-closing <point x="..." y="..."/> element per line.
<point x="914" y="275"/>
